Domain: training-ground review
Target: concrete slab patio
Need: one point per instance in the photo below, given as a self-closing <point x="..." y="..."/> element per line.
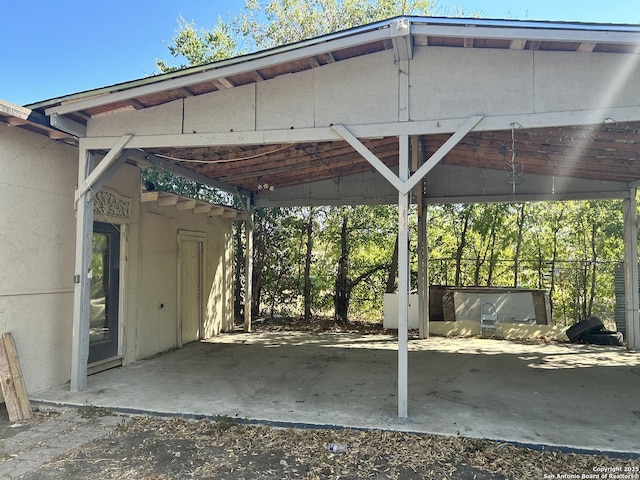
<point x="576" y="396"/>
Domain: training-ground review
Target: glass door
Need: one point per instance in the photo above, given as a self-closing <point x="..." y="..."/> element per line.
<point x="105" y="285"/>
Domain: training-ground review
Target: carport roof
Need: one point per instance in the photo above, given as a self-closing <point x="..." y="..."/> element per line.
<point x="603" y="151"/>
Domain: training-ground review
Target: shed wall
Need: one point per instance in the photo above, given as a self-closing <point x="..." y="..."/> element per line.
<point x="37" y="251"/>
<point x="158" y="305"/>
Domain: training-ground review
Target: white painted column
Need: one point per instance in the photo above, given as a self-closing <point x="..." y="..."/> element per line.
<point x="403" y="280"/>
<point x="632" y="300"/>
<point x="423" y="270"/>
<point x="82" y="286"/>
<point x="248" y="266"/>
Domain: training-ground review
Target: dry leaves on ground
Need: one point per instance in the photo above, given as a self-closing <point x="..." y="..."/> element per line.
<point x="150" y="448"/>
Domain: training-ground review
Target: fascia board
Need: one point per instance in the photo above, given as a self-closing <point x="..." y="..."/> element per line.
<point x="224" y="69"/>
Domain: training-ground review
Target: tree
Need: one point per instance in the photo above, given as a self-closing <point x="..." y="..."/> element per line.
<point x="357" y="242"/>
<point x="267" y="24"/>
<point x="270" y="24"/>
<point x="199" y="46"/>
<point x="567" y="248"/>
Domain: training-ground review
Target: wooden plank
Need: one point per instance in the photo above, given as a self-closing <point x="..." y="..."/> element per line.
<point x="149" y="196"/>
<point x="188" y="204"/>
<point x="13" y="386"/>
<point x="167" y="200"/>
<point x="202" y="208"/>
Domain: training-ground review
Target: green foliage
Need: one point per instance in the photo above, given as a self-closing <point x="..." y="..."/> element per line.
<point x="569" y="248"/>
<point x="200" y="46"/>
<point x="263" y="25"/>
<point x="280" y="22"/>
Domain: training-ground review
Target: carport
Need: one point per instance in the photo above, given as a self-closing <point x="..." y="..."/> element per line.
<point x="406" y="110"/>
<point x="571" y="396"/>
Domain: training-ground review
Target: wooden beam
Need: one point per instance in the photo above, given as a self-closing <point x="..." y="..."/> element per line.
<point x="149" y="196"/>
<point x="202" y="208"/>
<point x="167" y="200"/>
<point x="363" y="131"/>
<point x="188" y="204"/>
<point x="403" y="279"/>
<point x="385" y="171"/>
<point x="216" y="211"/>
<point x="167" y="165"/>
<point x="57" y="135"/>
<point x="441" y="152"/>
<point x="538" y="34"/>
<point x="105" y="164"/>
<point x="14" y="389"/>
<point x="587" y="46"/>
<point x="632" y="301"/>
<point x="223" y="82"/>
<point x="82" y="282"/>
<point x="248" y="266"/>
<point x="16" y="122"/>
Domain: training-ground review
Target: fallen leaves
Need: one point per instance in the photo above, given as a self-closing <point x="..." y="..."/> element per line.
<point x="151" y="448"/>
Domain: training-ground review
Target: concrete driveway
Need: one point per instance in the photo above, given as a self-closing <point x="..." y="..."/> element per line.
<point x="576" y="396"/>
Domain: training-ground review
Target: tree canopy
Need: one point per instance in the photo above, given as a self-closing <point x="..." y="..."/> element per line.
<point x="340" y="260"/>
<point x="262" y="25"/>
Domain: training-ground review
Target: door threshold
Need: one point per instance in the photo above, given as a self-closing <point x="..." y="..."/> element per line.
<point x="102" y="365"/>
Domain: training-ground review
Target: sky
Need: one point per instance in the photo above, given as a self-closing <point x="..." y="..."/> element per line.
<point x="52" y="49"/>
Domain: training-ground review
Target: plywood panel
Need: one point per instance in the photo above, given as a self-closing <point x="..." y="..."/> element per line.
<point x="165" y="118"/>
<point x="457" y="82"/>
<point x="285" y="102"/>
<point x="581" y="81"/>
<point x="14" y="390"/>
<point x="359" y="90"/>
<point x="227" y="110"/>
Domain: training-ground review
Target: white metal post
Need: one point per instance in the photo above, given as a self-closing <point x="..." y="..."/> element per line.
<point x="248" y="267"/>
<point x="403" y="280"/>
<point x="82" y="287"/>
<point x="632" y="300"/>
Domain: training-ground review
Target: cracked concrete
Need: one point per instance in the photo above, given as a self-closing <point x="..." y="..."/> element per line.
<point x="28" y="450"/>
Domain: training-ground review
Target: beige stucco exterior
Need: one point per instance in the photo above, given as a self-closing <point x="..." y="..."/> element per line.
<point x="37" y="248"/>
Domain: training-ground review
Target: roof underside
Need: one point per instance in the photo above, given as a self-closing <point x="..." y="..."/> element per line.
<point x="603" y="152"/>
<point x="608" y="151"/>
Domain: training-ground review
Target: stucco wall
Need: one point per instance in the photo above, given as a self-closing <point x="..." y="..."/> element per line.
<point x="37" y="251"/>
<point x="149" y="288"/>
<point x="37" y="178"/>
<point x="158" y="299"/>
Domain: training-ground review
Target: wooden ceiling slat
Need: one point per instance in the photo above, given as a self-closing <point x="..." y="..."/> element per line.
<point x="604" y="152"/>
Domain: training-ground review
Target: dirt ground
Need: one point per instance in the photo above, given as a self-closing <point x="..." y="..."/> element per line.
<point x="147" y="448"/>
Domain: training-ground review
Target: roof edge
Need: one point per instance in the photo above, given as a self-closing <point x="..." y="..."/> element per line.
<point x="343" y="34"/>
